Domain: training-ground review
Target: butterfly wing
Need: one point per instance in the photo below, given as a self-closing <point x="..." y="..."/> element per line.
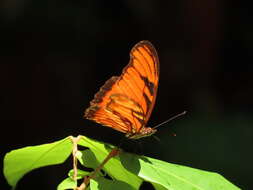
<point x="125" y="103"/>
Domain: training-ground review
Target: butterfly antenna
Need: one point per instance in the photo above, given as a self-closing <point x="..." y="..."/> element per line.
<point x="170" y="119"/>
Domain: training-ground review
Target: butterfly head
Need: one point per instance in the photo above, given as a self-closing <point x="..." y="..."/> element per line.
<point x="144" y="132"/>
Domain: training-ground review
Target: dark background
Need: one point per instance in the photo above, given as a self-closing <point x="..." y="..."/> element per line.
<point x="55" y="55"/>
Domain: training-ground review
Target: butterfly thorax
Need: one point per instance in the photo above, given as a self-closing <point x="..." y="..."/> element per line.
<point x="144" y="132"/>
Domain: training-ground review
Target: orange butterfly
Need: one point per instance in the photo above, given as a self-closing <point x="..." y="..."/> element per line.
<point x="125" y="102"/>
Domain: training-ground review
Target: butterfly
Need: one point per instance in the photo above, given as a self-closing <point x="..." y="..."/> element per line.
<point x="125" y="102"/>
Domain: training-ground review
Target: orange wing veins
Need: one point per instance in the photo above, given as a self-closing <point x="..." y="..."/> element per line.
<point x="125" y="102"/>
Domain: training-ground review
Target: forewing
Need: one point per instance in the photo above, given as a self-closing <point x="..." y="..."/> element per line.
<point x="140" y="77"/>
<point x="126" y="102"/>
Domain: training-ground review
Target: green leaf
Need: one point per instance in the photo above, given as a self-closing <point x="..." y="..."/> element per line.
<point x="127" y="170"/>
<point x="173" y="176"/>
<point x="79" y="156"/>
<point x="158" y="187"/>
<point x="21" y="161"/>
<point x="80" y="173"/>
<point x="67" y="183"/>
<point x="126" y="167"/>
<point x="113" y="167"/>
<point x="90" y="161"/>
<point x="106" y="184"/>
